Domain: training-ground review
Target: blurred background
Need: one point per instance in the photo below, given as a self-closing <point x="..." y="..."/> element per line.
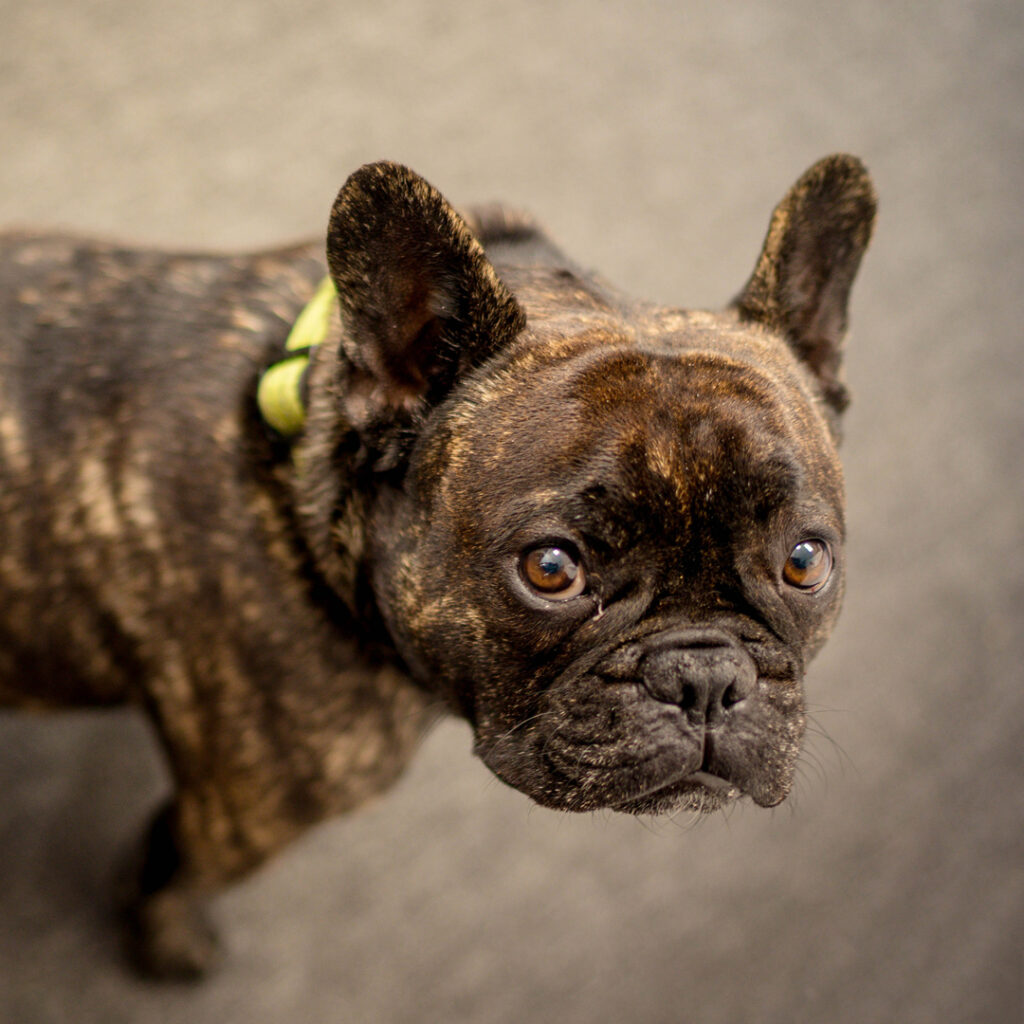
<point x="653" y="140"/>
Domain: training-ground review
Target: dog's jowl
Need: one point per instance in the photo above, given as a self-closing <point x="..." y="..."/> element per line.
<point x="294" y="508"/>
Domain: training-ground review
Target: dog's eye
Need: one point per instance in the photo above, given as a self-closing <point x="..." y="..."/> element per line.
<point x="553" y="572"/>
<point x="809" y="565"/>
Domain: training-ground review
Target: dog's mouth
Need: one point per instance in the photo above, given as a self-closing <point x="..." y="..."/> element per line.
<point x="700" y="791"/>
<point x="586" y="777"/>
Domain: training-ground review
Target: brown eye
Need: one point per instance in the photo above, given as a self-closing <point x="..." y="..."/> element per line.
<point x="809" y="565"/>
<point x="553" y="572"/>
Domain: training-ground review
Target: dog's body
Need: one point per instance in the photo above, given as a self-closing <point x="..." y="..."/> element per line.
<point x="607" y="534"/>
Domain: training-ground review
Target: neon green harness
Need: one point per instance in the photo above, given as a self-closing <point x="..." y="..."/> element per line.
<point x="279" y="395"/>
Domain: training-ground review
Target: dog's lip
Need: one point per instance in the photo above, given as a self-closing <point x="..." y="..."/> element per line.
<point x="722" y="788"/>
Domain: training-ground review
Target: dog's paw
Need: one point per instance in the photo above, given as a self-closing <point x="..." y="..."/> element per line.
<point x="169" y="938"/>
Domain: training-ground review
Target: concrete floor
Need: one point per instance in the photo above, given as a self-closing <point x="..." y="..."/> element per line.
<point x="654" y="143"/>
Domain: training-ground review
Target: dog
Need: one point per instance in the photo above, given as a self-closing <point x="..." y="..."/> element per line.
<point x="296" y="514"/>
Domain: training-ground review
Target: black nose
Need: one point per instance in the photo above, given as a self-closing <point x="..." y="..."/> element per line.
<point x="705" y="677"/>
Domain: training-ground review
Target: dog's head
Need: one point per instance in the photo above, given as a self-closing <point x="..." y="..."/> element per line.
<point x="608" y="534"/>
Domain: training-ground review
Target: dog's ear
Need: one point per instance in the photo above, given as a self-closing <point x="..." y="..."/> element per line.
<point x="420" y="302"/>
<point x="801" y="284"/>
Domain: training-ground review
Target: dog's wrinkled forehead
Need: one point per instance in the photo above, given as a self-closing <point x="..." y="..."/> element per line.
<point x="694" y="436"/>
<point x="674" y="430"/>
<point x="680" y="416"/>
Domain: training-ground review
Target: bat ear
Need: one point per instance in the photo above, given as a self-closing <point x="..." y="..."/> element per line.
<point x="420" y="303"/>
<point x="801" y="284"/>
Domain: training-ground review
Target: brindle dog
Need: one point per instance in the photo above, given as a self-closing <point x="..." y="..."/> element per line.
<point x="608" y="534"/>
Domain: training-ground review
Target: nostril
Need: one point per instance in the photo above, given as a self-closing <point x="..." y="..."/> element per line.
<point x="689" y="697"/>
<point x="733" y="695"/>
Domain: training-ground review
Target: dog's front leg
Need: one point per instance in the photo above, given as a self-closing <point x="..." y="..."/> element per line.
<point x="249" y="782"/>
<point x="193" y="848"/>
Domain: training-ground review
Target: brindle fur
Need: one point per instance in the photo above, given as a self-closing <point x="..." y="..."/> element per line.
<point x="293" y="617"/>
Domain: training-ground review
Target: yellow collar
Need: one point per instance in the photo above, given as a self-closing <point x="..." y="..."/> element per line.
<point x="281" y="391"/>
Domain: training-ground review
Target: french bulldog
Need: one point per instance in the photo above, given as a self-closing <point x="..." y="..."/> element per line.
<point x="607" y="534"/>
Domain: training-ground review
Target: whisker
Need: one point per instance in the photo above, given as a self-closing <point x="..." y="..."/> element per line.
<point x="520" y="725"/>
<point x="817" y="731"/>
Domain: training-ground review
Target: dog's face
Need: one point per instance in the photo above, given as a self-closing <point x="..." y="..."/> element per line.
<point x="617" y="563"/>
<point x="616" y="537"/>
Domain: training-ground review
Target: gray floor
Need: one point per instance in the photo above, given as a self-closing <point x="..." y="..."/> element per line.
<point x="653" y="140"/>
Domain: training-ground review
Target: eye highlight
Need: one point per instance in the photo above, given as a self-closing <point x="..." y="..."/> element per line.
<point x="553" y="571"/>
<point x="809" y="565"/>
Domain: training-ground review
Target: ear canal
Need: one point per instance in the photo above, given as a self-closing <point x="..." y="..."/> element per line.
<point x="802" y="281"/>
<point x="420" y="302"/>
